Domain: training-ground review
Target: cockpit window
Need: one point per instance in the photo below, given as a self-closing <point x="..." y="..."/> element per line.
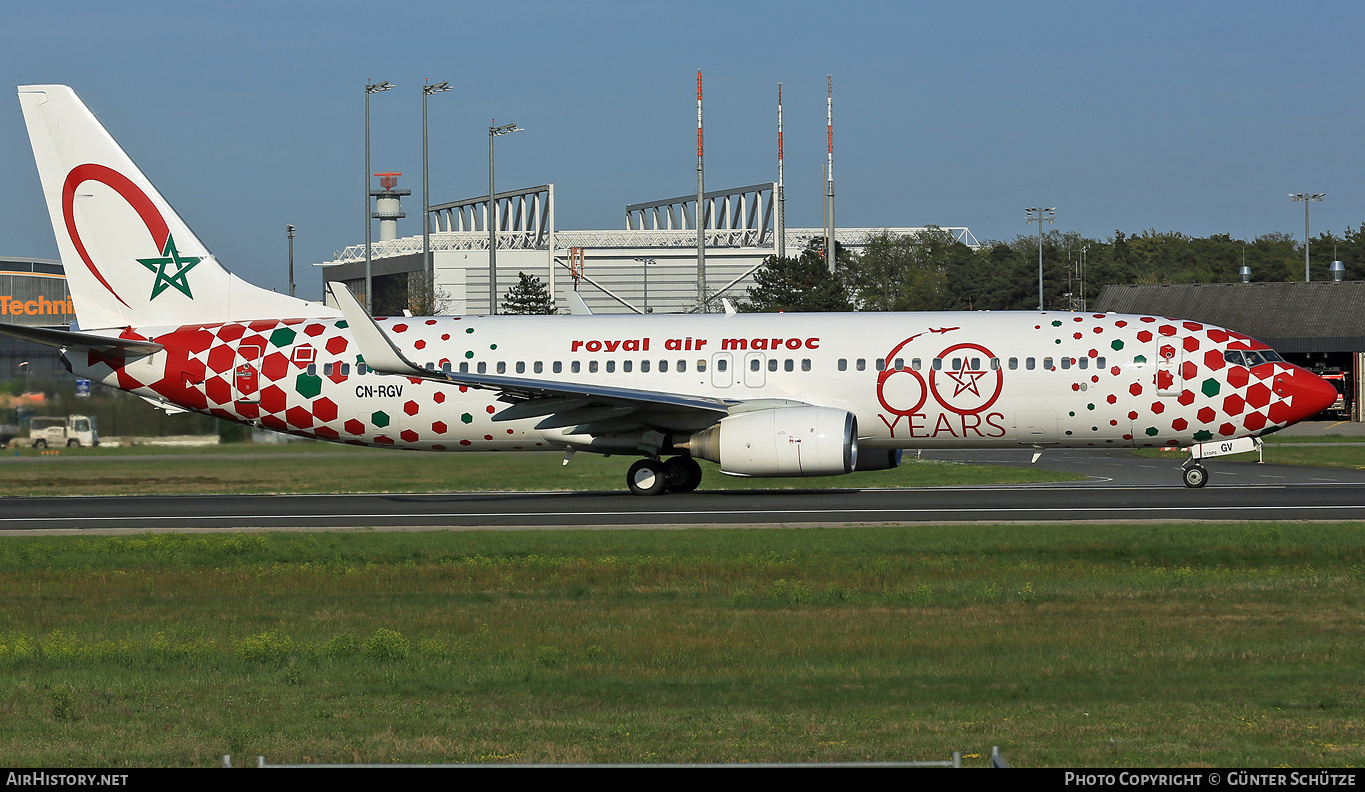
<point x="1251" y="358"/>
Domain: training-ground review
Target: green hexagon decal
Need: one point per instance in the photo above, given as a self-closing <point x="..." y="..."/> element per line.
<point x="1210" y="388"/>
<point x="282" y="337"/>
<point x="380" y="419"/>
<point x="1203" y="435"/>
<point x="1117" y="345"/>
<point x="1151" y="431"/>
<point x="467" y="418"/>
<point x="308" y="385"/>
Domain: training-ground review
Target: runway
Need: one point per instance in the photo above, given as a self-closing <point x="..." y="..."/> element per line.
<point x="1118" y="488"/>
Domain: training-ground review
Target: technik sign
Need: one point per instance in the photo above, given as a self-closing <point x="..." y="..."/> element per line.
<point x="12" y="306"/>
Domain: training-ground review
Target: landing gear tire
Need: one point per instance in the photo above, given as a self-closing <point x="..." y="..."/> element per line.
<point x="646" y="477"/>
<point x="1196" y="476"/>
<point x="682" y="474"/>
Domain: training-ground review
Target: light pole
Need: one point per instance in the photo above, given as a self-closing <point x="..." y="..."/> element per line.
<point x="494" y="131"/>
<point x="370" y="88"/>
<point x="289" y="229"/>
<point x="1307" y="198"/>
<point x="427" y="266"/>
<point x="1040" y="215"/>
<point x="644" y="263"/>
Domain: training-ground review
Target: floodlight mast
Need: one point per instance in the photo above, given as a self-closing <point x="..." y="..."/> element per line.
<point x="1307" y="198"/>
<point x="494" y="131"/>
<point x="427" y="266"/>
<point x="370" y="88"/>
<point x="1040" y="215"/>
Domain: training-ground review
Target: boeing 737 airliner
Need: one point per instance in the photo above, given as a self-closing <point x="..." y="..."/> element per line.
<point x="758" y="394"/>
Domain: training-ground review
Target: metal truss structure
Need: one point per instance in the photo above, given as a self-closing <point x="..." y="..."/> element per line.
<point x="745" y="212"/>
<point x="622" y="240"/>
<point x="526" y="220"/>
<point x="735" y="218"/>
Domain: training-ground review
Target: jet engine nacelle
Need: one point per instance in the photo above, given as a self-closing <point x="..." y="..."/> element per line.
<point x="786" y="441"/>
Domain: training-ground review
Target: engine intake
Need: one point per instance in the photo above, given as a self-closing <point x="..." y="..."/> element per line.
<point x="785" y="441"/>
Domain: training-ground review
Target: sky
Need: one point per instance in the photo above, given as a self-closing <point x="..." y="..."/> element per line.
<point x="1197" y="117"/>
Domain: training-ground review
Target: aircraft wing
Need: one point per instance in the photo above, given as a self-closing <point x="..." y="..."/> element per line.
<point x="70" y="339"/>
<point x="587" y="408"/>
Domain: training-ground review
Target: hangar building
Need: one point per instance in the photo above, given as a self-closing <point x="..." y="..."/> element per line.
<point x="32" y="292"/>
<point x="1318" y="325"/>
<point x="648" y="266"/>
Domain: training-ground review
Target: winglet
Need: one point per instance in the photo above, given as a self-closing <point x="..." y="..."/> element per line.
<point x="576" y="305"/>
<point x="378" y="351"/>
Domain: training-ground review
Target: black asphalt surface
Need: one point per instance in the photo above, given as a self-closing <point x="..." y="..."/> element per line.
<point x="1117" y="487"/>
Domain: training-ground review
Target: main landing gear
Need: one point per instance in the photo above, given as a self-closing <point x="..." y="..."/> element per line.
<point x="652" y="477"/>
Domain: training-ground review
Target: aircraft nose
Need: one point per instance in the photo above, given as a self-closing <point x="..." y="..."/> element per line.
<point x="1307" y="394"/>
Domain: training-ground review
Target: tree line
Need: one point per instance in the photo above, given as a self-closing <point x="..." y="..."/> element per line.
<point x="931" y="271"/>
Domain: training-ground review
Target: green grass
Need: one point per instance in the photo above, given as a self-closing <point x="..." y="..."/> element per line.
<point x="233" y="471"/>
<point x="1114" y="645"/>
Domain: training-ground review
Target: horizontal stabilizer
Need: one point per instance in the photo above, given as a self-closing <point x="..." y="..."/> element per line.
<point x="70" y="339"/>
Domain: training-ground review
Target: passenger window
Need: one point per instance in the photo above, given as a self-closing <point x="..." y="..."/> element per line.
<point x="611" y="366"/>
<point x="575" y="367"/>
<point x="754" y="365"/>
<point x="502" y="367"/>
<point x="701" y="365"/>
<point x="1084" y="362"/>
<point x="720" y="365"/>
<point x="326" y="369"/>
<point x="788" y="364"/>
<point x="644" y="366"/>
<point x="346" y="369"/>
<point x="682" y="367"/>
<point x="1099" y="363"/>
<point x="862" y="365"/>
<point x="592" y="366"/>
<point x="1047" y="364"/>
<point x="976" y="364"/>
<point x="772" y="365"/>
<point x="521" y="367"/>
<point x="464" y="367"/>
<point x="914" y="364"/>
<point x="957" y="364"/>
<point x="483" y="367"/>
<point x="805" y="364"/>
<point x="557" y="367"/>
<point x="843" y="364"/>
<point x="900" y="364"/>
<point x="1066" y="363"/>
<point x="938" y="364"/>
<point x="1028" y="364"/>
<point x="539" y="367"/>
<point x="445" y="367"/>
<point x="361" y="368"/>
<point x="312" y="369"/>
<point x="881" y="364"/>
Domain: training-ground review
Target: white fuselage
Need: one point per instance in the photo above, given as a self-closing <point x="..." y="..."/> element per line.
<point x="912" y="380"/>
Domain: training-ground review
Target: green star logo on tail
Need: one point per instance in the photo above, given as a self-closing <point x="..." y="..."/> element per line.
<point x="169" y="256"/>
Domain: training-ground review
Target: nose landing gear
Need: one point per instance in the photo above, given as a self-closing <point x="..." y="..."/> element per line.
<point x="1195" y="475"/>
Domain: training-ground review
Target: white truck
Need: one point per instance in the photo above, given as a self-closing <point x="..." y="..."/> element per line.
<point x="71" y="431"/>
